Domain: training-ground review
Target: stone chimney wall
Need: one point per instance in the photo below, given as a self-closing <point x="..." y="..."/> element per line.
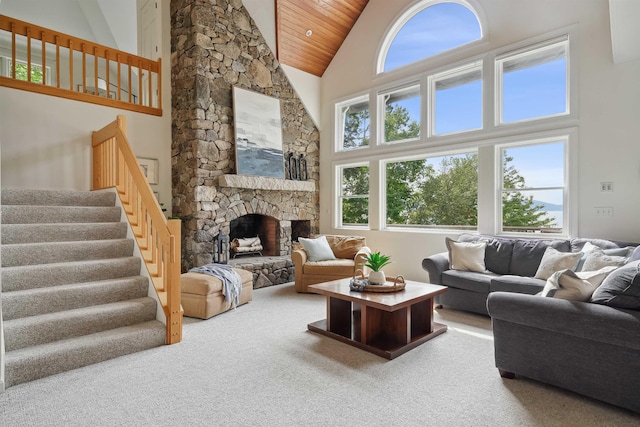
<point x="215" y="45"/>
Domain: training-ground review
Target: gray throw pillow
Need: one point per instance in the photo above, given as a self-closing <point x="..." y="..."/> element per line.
<point x="527" y="254"/>
<point x="621" y="288"/>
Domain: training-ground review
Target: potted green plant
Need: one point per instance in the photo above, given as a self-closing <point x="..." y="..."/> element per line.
<point x="375" y="262"/>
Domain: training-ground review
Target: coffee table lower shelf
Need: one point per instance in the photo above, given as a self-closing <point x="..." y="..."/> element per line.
<point x="386" y="348"/>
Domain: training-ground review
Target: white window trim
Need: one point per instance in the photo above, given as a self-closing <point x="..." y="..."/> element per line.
<point x="339" y="122"/>
<point x="8" y="68"/>
<point x="569" y="202"/>
<point x="381" y="112"/>
<point x="499" y="61"/>
<point x="405" y="16"/>
<point x="337" y="209"/>
<point x="434" y="78"/>
<point x="483" y="140"/>
<point x="383" y="191"/>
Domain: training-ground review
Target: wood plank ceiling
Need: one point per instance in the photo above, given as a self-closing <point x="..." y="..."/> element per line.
<point x="310" y="32"/>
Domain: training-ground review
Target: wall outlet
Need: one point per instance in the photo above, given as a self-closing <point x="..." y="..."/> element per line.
<point x="603" y="211"/>
<point x="606" y="187"/>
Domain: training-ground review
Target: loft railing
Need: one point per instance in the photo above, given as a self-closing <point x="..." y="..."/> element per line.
<point x="115" y="165"/>
<point x="41" y="60"/>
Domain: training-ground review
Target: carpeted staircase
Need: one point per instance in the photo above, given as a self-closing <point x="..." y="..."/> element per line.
<point x="72" y="293"/>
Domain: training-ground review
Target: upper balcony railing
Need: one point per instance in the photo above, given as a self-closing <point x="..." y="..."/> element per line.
<point x="45" y="61"/>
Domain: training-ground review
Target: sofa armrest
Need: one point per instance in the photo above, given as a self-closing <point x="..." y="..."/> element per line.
<point x="299" y="257"/>
<point x="435" y="265"/>
<point x="579" y="319"/>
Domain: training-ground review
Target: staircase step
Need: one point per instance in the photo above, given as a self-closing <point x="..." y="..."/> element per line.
<point x="46" y="275"/>
<point x="54" y="252"/>
<point x="46" y="328"/>
<point x="32" y="363"/>
<point x="32" y="302"/>
<point x="24" y="196"/>
<point x="33" y="214"/>
<point x="66" y="232"/>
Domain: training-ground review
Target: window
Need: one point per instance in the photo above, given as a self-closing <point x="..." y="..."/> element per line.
<point x="21" y="71"/>
<point x="433" y="192"/>
<point x="426" y="30"/>
<point x="533" y="84"/>
<point x="457" y="103"/>
<point x="353" y="123"/>
<point x="401" y="114"/>
<point x="533" y="187"/>
<point x="354" y="195"/>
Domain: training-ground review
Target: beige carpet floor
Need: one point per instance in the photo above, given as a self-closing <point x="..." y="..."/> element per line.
<point x="259" y="366"/>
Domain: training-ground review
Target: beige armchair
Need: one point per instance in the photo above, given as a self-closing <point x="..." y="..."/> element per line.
<point x="350" y="252"/>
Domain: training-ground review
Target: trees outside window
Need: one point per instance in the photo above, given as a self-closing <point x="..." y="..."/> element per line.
<point x="353" y="124"/>
<point x="354" y="195"/>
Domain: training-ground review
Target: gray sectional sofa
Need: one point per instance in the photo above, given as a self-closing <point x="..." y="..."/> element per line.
<point x="586" y="347"/>
<point x="591" y="348"/>
<point x="511" y="266"/>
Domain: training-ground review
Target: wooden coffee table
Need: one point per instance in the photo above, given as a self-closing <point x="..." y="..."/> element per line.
<point x="386" y="324"/>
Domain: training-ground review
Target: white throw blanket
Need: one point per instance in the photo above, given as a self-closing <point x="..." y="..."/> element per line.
<point x="231" y="281"/>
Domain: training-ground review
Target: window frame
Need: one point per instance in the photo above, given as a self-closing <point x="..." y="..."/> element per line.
<point x="523" y="52"/>
<point x="569" y="202"/>
<point x="420" y="227"/>
<point x="339" y="173"/>
<point x="340" y="122"/>
<point x="406" y="15"/>
<point x="484" y="140"/>
<point x="381" y="112"/>
<point x="452" y="72"/>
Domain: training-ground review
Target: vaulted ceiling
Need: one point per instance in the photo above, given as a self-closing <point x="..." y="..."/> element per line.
<point x="310" y="32"/>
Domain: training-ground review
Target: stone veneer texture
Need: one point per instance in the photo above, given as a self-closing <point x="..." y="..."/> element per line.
<point x="215" y="45"/>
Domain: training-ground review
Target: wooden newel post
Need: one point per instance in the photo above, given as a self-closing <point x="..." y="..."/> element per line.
<point x="174" y="318"/>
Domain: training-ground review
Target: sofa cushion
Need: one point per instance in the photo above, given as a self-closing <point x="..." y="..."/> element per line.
<point x="317" y="249"/>
<point x="336" y="267"/>
<point x="346" y="246"/>
<point x="621" y="288"/>
<point x="519" y="284"/>
<point x="497" y="255"/>
<point x="527" y="254"/>
<point x="554" y="260"/>
<point x="466" y="256"/>
<point x="468" y="280"/>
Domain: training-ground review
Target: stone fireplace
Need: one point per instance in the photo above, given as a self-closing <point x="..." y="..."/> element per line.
<point x="216" y="46"/>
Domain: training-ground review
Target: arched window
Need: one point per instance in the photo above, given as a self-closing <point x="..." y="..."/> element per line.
<point x="427" y="29"/>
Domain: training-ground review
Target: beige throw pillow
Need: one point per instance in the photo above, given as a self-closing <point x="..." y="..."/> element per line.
<point x="553" y="260"/>
<point x="466" y="256"/>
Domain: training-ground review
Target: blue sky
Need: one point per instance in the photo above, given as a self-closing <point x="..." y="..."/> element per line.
<point x="532" y="92"/>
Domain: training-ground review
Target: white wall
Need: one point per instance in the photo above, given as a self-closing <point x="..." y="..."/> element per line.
<point x="46" y="140"/>
<point x="608" y="125"/>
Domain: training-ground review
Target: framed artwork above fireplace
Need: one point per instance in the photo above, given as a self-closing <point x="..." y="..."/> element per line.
<point x="258" y="129"/>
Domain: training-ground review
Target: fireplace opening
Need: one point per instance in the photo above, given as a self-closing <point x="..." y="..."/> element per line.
<point x="252" y="225"/>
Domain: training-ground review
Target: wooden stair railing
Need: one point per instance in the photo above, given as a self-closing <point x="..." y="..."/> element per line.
<point x="115" y="165"/>
<point x="51" y="61"/>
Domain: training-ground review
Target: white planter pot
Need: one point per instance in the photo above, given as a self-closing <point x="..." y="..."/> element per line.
<point x="377" y="277"/>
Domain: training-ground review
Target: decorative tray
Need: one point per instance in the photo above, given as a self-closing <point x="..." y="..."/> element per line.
<point x="361" y="284"/>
